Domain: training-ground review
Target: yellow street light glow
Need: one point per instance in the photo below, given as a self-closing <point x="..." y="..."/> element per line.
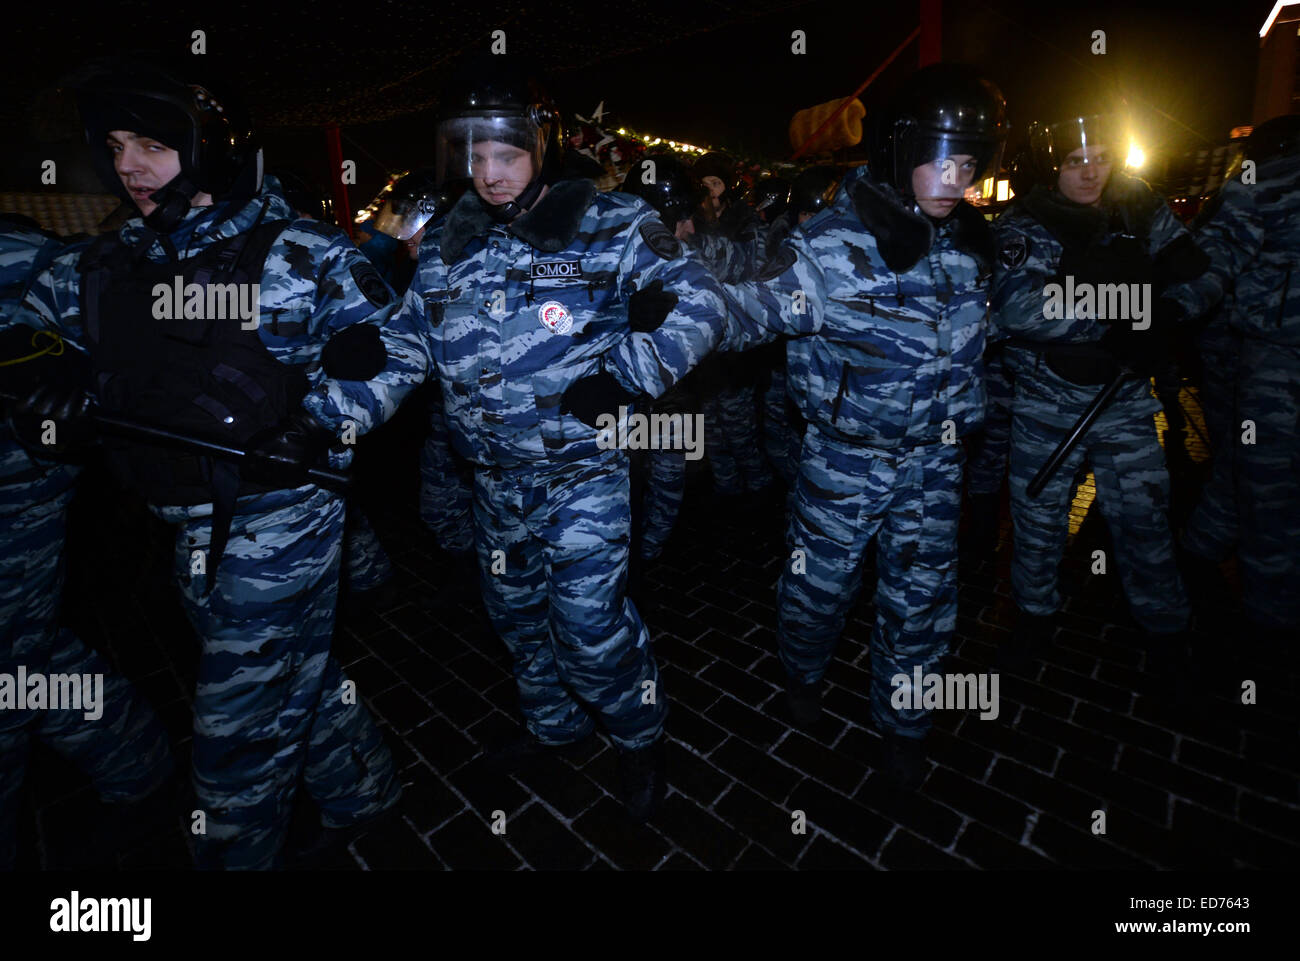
<point x="1136" y="156"/>
<point x="1004" y="191"/>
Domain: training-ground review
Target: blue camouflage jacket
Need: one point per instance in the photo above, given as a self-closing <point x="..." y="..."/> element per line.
<point x="24" y="480"/>
<point x="314" y="284"/>
<point x="1253" y="241"/>
<point x="1030" y="257"/>
<point x="516" y="313"/>
<point x="888" y="312"/>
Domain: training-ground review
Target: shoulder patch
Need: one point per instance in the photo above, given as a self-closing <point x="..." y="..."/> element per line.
<point x="657" y="237"/>
<point x="1014" y="251"/>
<point x="777" y="264"/>
<point x="370" y="284"/>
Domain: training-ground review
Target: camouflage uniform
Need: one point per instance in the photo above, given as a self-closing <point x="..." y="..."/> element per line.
<point x="1122" y="447"/>
<point x="366" y="563"/>
<point x="729" y="383"/>
<point x="445" y="498"/>
<point x="1254" y="242"/>
<point x="665" y="475"/>
<point x="886" y="367"/>
<point x="552" y="519"/>
<point x="988" y="464"/>
<point x="124" y="752"/>
<point x="269" y="705"/>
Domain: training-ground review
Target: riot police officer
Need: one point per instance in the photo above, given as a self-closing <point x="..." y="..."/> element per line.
<point x="524" y="291"/>
<point x="885" y="292"/>
<point x="312" y="356"/>
<point x="1084" y="230"/>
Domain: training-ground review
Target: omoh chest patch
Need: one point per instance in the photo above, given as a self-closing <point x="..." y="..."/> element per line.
<point x="555" y="317"/>
<point x="557" y="270"/>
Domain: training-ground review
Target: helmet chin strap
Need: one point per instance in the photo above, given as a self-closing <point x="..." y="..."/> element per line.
<point x="508" y="211"/>
<point x="173" y="200"/>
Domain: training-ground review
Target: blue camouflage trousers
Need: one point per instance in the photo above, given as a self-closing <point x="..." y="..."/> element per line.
<point x="367" y="564"/>
<point x="271" y="705"/>
<point x="445" y="497"/>
<point x="1256" y="509"/>
<point x="124" y="751"/>
<point x="662" y="501"/>
<point x="781" y="441"/>
<point x="988" y="463"/>
<point x="908" y="500"/>
<point x="1132" y="480"/>
<point x="731" y="440"/>
<point x="553" y="547"/>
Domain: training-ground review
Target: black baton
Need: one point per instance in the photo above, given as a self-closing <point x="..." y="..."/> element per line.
<point x="1080" y="428"/>
<point x="333" y="480"/>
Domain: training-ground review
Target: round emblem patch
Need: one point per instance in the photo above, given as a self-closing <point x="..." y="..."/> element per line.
<point x="555" y="317"/>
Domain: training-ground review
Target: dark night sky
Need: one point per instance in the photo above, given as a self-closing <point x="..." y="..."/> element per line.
<point x="735" y="86"/>
<point x="740" y="85"/>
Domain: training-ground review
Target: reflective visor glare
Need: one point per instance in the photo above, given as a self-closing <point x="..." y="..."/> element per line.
<point x="401" y="221"/>
<point x="490" y="148"/>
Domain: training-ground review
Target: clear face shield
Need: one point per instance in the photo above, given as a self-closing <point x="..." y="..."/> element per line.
<point x="1099" y="136"/>
<point x="927" y="148"/>
<point x="501" y="154"/>
<point x="404" y="214"/>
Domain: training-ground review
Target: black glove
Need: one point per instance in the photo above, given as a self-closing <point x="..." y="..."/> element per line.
<point x="66" y="404"/>
<point x="647" y="308"/>
<point x="280" y="455"/>
<point x="355" y="353"/>
<point x="596" y="394"/>
<point x="1119" y="261"/>
<point x="1144" y="351"/>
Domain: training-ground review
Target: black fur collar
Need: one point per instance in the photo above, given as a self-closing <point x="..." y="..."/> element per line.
<point x="550" y="225"/>
<point x="902" y="237"/>
<point x="971" y="234"/>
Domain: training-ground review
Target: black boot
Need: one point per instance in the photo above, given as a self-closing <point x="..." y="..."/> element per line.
<point x="643" y="779"/>
<point x="803" y="702"/>
<point x="904" y="759"/>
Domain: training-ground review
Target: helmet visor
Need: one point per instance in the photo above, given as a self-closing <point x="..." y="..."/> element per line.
<point x="1089" y="133"/>
<point x="402" y="216"/>
<point x="928" y="148"/>
<point x="501" y="153"/>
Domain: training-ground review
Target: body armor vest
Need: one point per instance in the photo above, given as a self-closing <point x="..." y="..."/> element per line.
<point x="202" y="376"/>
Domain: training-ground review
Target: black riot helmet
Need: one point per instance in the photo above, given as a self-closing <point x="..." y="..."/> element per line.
<point x="1088" y="119"/>
<point x="414" y="201"/>
<point x="202" y="121"/>
<point x="1021" y="172"/>
<point x="943" y="110"/>
<point x="498" y="101"/>
<point x="770" y="197"/>
<point x="305" y="196"/>
<point x="1279" y="137"/>
<point x="720" y="165"/>
<point x="666" y="184"/>
<point x="814" y="190"/>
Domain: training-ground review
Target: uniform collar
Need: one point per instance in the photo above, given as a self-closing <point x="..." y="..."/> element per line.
<point x="206" y="225"/>
<point x="902" y="236"/>
<point x="550" y="226"/>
